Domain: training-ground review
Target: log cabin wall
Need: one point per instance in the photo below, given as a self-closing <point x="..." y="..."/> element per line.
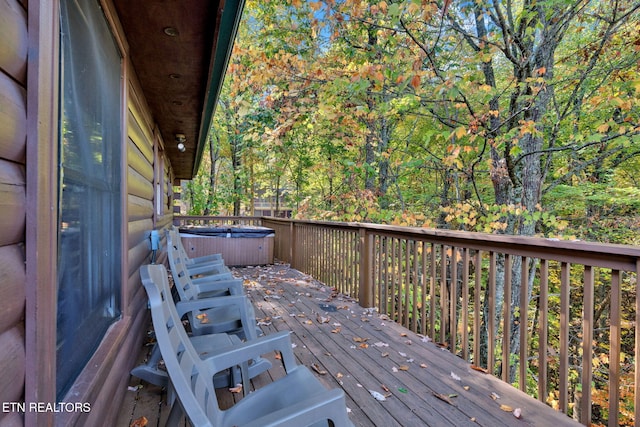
<point x="13" y="71"/>
<point x="27" y="354"/>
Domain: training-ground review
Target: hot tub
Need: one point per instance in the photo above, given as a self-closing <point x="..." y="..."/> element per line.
<point x="239" y="245"/>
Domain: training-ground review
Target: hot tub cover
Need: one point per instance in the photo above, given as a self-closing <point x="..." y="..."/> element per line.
<point x="228" y="231"/>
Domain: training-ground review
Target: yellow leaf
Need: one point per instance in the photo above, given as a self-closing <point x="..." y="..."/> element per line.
<point x="506" y="408"/>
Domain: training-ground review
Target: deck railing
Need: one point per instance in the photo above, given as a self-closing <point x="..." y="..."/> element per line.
<point x="569" y="323"/>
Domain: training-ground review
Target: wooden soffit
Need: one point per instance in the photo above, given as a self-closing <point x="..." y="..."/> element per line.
<point x="180" y="50"/>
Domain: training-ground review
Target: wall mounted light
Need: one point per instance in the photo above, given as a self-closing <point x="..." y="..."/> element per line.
<point x="181" y="147"/>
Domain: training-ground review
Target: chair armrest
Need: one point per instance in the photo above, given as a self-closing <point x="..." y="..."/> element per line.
<point x="207" y="269"/>
<point x="184" y="307"/>
<point x="212" y="278"/>
<point x="234" y="286"/>
<point x="253" y="349"/>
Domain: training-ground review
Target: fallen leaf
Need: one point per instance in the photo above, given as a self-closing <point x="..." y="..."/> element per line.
<point x="403" y="334"/>
<point x="335" y="331"/>
<point x="201" y="316"/>
<point x="323" y="319"/>
<point x="479" y="369"/>
<point x="444" y="398"/>
<point x="495" y="396"/>
<point x="423" y="365"/>
<point x="517" y="413"/>
<point x="317" y="368"/>
<point x="385" y="388"/>
<point x="364" y="345"/>
<point x="339" y="375"/>
<point x="467" y="388"/>
<point x="278" y="356"/>
<point x="358" y="339"/>
<point x="381" y="344"/>
<point x="236" y="389"/>
<point x="385" y="354"/>
<point x="506" y="408"/>
<point x="403" y="367"/>
<point x="139" y="422"/>
<point x="455" y="377"/>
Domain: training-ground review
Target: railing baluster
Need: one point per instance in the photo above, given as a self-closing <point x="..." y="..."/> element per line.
<point x="524" y="322"/>
<point x="432" y="293"/>
<point x="543" y="330"/>
<point x="453" y="300"/>
<point x="476" y="308"/>
<point x="587" y="346"/>
<point x="465" y="304"/>
<point x="423" y="286"/>
<point x="444" y="303"/>
<point x="414" y="281"/>
<point x="565" y="273"/>
<point x="492" y="313"/>
<point x="614" y="349"/>
<point x="506" y="320"/>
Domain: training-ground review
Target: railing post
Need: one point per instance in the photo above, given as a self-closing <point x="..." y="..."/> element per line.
<point x="292" y="245"/>
<point x="365" y="288"/>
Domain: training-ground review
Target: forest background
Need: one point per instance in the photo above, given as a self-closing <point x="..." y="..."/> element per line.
<point x="516" y="117"/>
<point x="510" y="117"/>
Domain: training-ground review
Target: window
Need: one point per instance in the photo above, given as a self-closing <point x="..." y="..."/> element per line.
<point x="89" y="230"/>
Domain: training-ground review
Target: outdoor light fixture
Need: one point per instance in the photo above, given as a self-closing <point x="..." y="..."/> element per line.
<point x="180" y="138"/>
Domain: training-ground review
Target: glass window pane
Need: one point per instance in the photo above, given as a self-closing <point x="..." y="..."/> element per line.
<point x="89" y="202"/>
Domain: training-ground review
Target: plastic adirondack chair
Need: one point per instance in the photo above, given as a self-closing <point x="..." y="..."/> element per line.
<point x="232" y="314"/>
<point x="296" y="400"/>
<point x="207" y="342"/>
<point x="204" y="265"/>
<point x="214" y="285"/>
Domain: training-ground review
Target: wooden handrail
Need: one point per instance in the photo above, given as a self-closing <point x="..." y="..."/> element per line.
<point x="450" y="285"/>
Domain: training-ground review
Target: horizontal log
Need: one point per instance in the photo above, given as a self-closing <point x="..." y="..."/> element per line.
<point x="139" y="208"/>
<point x="138" y="185"/>
<point x="138" y="255"/>
<point x="138" y="162"/>
<point x="139" y="231"/>
<point x="12" y="367"/>
<point x="13" y="40"/>
<point x="140" y="139"/>
<point x="12" y="286"/>
<point x="13" y="119"/>
<point x="12" y="203"/>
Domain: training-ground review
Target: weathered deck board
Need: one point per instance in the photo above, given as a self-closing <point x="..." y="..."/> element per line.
<point x="362" y="351"/>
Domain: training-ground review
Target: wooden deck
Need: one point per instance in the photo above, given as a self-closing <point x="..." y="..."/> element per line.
<point x="360" y="351"/>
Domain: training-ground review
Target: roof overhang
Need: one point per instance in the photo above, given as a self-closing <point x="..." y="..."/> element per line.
<point x="180" y="51"/>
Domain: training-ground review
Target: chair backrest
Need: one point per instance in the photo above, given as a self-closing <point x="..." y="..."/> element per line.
<point x="181" y="277"/>
<point x="190" y="377"/>
<point x="182" y="252"/>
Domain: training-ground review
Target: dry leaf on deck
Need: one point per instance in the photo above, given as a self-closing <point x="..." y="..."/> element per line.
<point x="317" y="368"/>
<point x="479" y="369"/>
<point x="139" y="422"/>
<point x="377" y="396"/>
<point x="423" y="365"/>
<point x="323" y="319"/>
<point x="336" y="330"/>
<point x="403" y="367"/>
<point x="506" y="408"/>
<point x="358" y="339"/>
<point x="455" y="377"/>
<point x="444" y="398"/>
<point x="236" y="389"/>
<point x="385" y="388"/>
<point x="517" y="413"/>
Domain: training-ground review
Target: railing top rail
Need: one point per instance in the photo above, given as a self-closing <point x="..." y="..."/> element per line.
<point x="619" y="257"/>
